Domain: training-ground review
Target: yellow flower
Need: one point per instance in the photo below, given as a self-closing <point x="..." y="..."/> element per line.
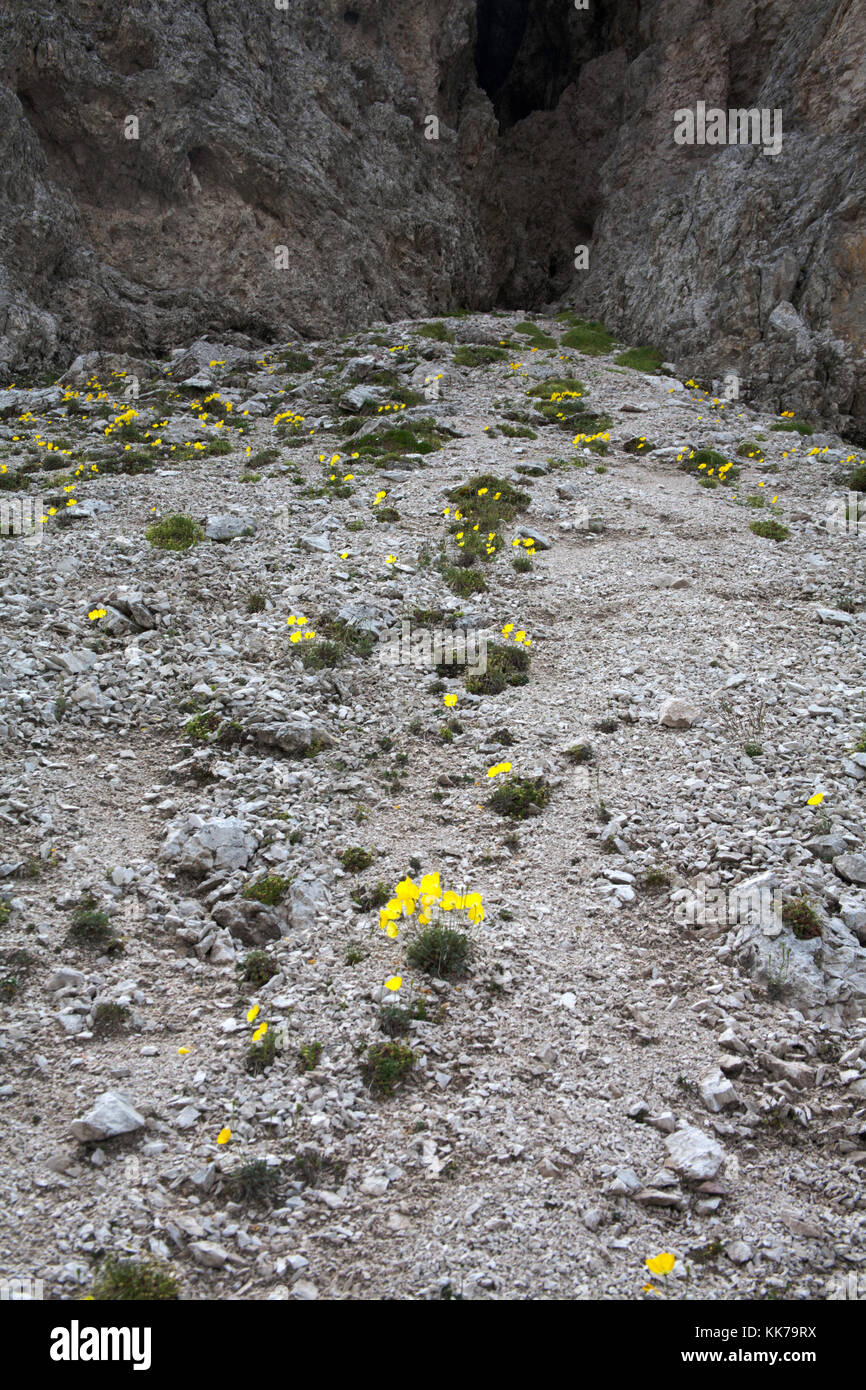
<point x="253" y="1014"/>
<point x="224" y="1136"/>
<point x="431" y="885"/>
<point x="661" y="1264"/>
<point x="450" y="701"/>
<point x="394" y="983"/>
<point x="183" y="1051"/>
<point x="816" y="799"/>
<point x="260" y="1032"/>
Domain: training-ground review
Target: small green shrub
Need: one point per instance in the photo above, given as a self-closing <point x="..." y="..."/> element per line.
<point x="522" y="564"/>
<point x="386" y="1065"/>
<point x="750" y="450"/>
<point x="134" y="1281"/>
<point x="91" y="927"/>
<point x="176" y="532"/>
<point x="793" y="426"/>
<point x="440" y="951"/>
<point x="770" y="530"/>
<point x="110" y="1020"/>
<point x="506" y="665"/>
<point x="474" y="355"/>
<point x="579" y="753"/>
<point x="308" y="1056"/>
<point x="437" y="331"/>
<point x="642" y="359"/>
<point x="257" y="968"/>
<point x="587" y="336"/>
<point x="464" y="582"/>
<point x="262" y="1054"/>
<point x="255" y="1183"/>
<point x="355" y="859"/>
<point x="801" y="917"/>
<point x="519" y="797"/>
<point x="371" y="897"/>
<point x="270" y="890"/>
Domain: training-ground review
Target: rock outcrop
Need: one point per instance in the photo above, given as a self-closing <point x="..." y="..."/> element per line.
<point x="175" y="169"/>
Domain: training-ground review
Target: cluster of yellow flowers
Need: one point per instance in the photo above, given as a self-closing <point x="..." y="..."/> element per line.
<point x="588" y="438"/>
<point x="298" y="621"/>
<point x="520" y="636"/>
<point x="495" y="770"/>
<point x="419" y="901"/>
<point x="96" y="613"/>
<point x="527" y="542"/>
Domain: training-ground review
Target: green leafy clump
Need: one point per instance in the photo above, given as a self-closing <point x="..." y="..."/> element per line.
<point x="424" y="437"/>
<point x="750" y="450"/>
<point x="255" y="601"/>
<point x="656" y="880"/>
<point x="262" y="1055"/>
<point x="386" y="1065"/>
<point x="257" y="968"/>
<point x="770" y="530"/>
<point x="579" y="753"/>
<point x="134" y="1281"/>
<point x="176" y="532"/>
<point x="386" y="514"/>
<point x="464" y="582"/>
<point x="270" y="890"/>
<point x="642" y="359"/>
<point x="262" y="457"/>
<point x="801" y="917"/>
<point x="320" y="655"/>
<point x="437" y="331"/>
<point x="355" y="859"/>
<point x="588" y="336"/>
<point x="488" y="501"/>
<point x="91" y="927"/>
<point x="506" y="665"/>
<point x="294" y="361"/>
<point x="857" y="479"/>
<point x="476" y="355"/>
<point x="110" y="1020"/>
<point x="201" y="726"/>
<point x="522" y="564"/>
<point x="395" y="1020"/>
<point x="255" y="1183"/>
<point x="517" y="432"/>
<point x="440" y="951"/>
<point x="793" y="426"/>
<point x="371" y="896"/>
<point x="709" y="460"/>
<point x="537" y="337"/>
<point x="308" y="1056"/>
<point x="519" y="797"/>
<point x="638" y="445"/>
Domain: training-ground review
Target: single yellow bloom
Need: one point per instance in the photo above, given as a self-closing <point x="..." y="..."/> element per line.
<point x="816" y="799"/>
<point x="224" y="1136"/>
<point x="253" y="1014"/>
<point x="394" y="983"/>
<point x="450" y="701"/>
<point x="183" y="1051"/>
<point x="431" y="885"/>
<point x="260" y="1032"/>
<point x="662" y="1263"/>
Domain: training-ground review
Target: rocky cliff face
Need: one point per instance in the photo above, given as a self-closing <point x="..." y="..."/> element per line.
<point x="307" y="129"/>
